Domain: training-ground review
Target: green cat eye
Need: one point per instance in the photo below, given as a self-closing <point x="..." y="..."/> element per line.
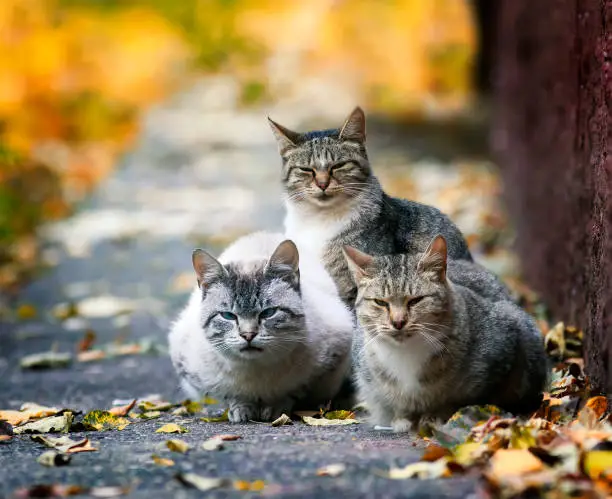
<point x="267" y="313"/>
<point x="342" y="164"/>
<point x="228" y="316"/>
<point x="381" y="303"/>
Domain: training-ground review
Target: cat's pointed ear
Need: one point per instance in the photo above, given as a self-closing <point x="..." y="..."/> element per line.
<point x="207" y="267"/>
<point x="354" y="127"/>
<point x="358" y="262"/>
<point x="285" y="138"/>
<point x="434" y="258"/>
<point x="285" y="262"/>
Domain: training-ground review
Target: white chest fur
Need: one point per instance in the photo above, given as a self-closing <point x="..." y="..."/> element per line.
<point x="312" y="232"/>
<point x="404" y="364"/>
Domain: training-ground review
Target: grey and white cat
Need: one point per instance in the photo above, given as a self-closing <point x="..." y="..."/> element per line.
<point x="262" y="331"/>
<point x="333" y="198"/>
<point x="437" y="335"/>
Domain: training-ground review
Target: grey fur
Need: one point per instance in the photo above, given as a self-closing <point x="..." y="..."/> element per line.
<point x="296" y="355"/>
<point x="352" y="209"/>
<point x="465" y="343"/>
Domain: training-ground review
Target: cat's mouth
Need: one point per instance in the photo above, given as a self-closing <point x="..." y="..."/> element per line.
<point x="251" y="348"/>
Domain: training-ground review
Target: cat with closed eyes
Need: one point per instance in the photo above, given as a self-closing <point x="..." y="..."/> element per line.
<point x="437" y="335"/>
<point x="262" y="330"/>
<point x="333" y="198"/>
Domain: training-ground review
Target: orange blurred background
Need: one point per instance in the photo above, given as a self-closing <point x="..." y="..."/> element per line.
<point x="75" y="75"/>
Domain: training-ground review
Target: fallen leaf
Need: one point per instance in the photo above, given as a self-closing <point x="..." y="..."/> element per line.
<point x="332" y="470"/>
<point x="506" y="462"/>
<point x="91" y="355"/>
<point x="339" y="415"/>
<point x="87" y="341"/>
<point x="65" y="444"/>
<point x="28" y="411"/>
<point x="156" y="405"/>
<point x="54" y="490"/>
<point x="219" y="419"/>
<point x="106" y="492"/>
<point x="328" y="422"/>
<point x="200" y="482"/>
<point x="176" y="445"/>
<point x="162" y="461"/>
<point x="599" y="405"/>
<point x="597" y="462"/>
<point x="26" y="311"/>
<point x="104" y="420"/>
<point x="423" y="470"/>
<point x="282" y="421"/>
<point x="256" y="486"/>
<point x="171" y="428"/>
<point x="228" y="437"/>
<point x="122" y="410"/>
<point x="191" y="407"/>
<point x="53" y="424"/>
<point x="209" y="401"/>
<point x="96" y="307"/>
<point x="53" y="458"/>
<point x="433" y="452"/>
<point x="214" y="443"/>
<point x="149" y="415"/>
<point x="45" y="360"/>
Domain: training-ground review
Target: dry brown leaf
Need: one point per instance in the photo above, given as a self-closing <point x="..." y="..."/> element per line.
<point x="433" y="452"/>
<point x="91" y="355"/>
<point x="122" y="410"/>
<point x="66" y="444"/>
<point x="256" y="486"/>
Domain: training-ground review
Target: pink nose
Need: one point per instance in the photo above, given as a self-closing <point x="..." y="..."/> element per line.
<point x="248" y="335"/>
<point x="399" y="324"/>
<point x="322" y="183"/>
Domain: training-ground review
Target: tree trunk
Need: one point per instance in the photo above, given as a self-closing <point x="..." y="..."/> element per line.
<point x="553" y="138"/>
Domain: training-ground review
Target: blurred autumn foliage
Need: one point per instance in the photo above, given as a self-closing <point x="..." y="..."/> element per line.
<point x="75" y="74"/>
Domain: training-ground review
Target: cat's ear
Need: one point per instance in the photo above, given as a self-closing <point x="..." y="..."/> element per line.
<point x="354" y="127"/>
<point x="285" y="262"/>
<point x="207" y="267"/>
<point x="285" y="138"/>
<point x="358" y="262"/>
<point x="434" y="258"/>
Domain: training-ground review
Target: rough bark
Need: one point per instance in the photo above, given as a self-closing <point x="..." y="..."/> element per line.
<point x="553" y="138"/>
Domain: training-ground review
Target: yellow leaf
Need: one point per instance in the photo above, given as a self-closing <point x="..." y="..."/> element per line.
<point x="220" y="419"/>
<point x="597" y="462"/>
<point x="162" y="461"/>
<point x="122" y="410"/>
<point x="104" y="420"/>
<point x="466" y="454"/>
<point x="171" y="428"/>
<point x="26" y="311"/>
<point x="256" y="486"/>
<point x="509" y="462"/>
<point x="328" y="422"/>
<point x="176" y="445"/>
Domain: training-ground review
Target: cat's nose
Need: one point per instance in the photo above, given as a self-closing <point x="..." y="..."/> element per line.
<point x="248" y="335"/>
<point x="399" y="323"/>
<point x="322" y="181"/>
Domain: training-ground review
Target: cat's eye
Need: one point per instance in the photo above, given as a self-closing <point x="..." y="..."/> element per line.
<point x="339" y="165"/>
<point x="415" y="300"/>
<point x="228" y="316"/>
<point x="381" y="303"/>
<point x="305" y="169"/>
<point x="267" y="313"/>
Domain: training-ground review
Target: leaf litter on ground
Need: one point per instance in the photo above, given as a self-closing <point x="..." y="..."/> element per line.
<point x="65" y="444"/>
<point x="171" y="428"/>
<point x="563" y="449"/>
<point x="176" y="445"/>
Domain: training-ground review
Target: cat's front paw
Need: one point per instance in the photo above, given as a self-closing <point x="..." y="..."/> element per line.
<point x="272" y="412"/>
<point x="240" y="412"/>
<point x="402" y="425"/>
